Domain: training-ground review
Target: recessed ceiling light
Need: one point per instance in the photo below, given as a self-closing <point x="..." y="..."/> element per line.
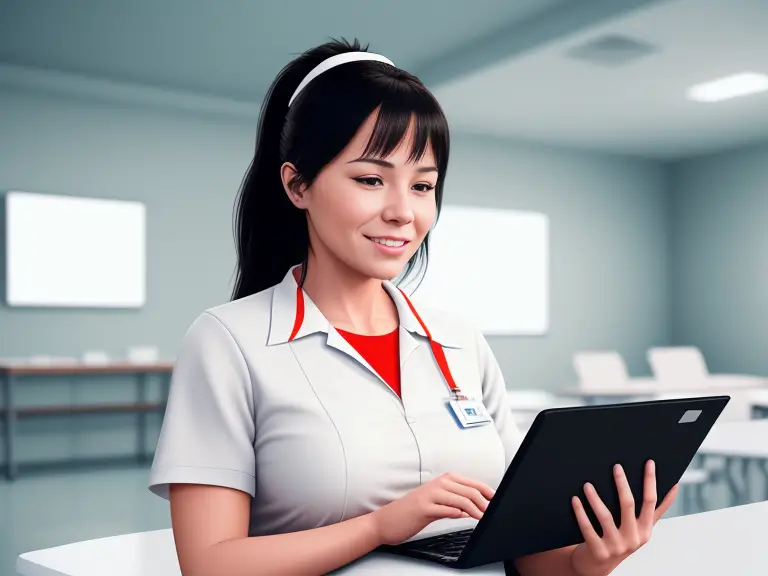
<point x="742" y="84"/>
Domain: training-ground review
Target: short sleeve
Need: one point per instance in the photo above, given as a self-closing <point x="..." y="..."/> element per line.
<point x="207" y="434"/>
<point x="496" y="399"/>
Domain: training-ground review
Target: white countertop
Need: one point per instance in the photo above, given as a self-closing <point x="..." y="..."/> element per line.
<point x="727" y="541"/>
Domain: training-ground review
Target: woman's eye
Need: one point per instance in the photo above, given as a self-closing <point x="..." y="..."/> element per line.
<point x="376" y="181"/>
<point x="369" y="181"/>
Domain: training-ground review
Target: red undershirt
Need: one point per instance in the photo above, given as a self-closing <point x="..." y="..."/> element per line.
<point x="382" y="352"/>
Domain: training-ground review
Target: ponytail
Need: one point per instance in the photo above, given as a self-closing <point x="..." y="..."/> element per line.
<point x="270" y="232"/>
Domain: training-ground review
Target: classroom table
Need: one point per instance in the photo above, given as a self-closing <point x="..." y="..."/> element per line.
<point x="759" y="403"/>
<point x="744" y="444"/>
<point x="650" y="389"/>
<point x="13" y="375"/>
<point x="725" y="541"/>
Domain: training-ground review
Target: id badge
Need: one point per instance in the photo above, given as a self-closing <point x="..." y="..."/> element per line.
<point x="469" y="412"/>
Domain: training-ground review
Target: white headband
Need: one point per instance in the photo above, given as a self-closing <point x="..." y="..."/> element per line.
<point x="333" y="61"/>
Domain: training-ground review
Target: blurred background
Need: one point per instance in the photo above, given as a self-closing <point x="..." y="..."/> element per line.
<point x="637" y="129"/>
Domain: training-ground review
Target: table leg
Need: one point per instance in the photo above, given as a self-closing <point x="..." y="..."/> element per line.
<point x="737" y="492"/>
<point x="746" y="468"/>
<point x="10" y="429"/>
<point x="764" y="470"/>
<point x="701" y="503"/>
<point x="141" y="431"/>
<point x="166" y="387"/>
<point x="743" y="493"/>
<point x="697" y="500"/>
<point x="687" y="492"/>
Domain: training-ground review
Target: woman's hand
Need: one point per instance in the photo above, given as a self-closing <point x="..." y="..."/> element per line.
<point x="600" y="556"/>
<point x="447" y="496"/>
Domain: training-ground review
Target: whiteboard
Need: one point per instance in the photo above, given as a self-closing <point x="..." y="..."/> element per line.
<point x="490" y="266"/>
<point x="64" y="251"/>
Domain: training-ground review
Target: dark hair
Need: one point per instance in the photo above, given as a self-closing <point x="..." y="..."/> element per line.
<point x="271" y="234"/>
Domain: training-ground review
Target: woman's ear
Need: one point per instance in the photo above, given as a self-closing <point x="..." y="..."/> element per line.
<point x="295" y="190"/>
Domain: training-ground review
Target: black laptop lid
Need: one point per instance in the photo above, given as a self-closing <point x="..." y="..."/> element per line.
<point x="567" y="447"/>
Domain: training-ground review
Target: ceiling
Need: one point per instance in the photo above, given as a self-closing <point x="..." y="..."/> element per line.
<point x="234" y="49"/>
<point x="500" y="68"/>
<point x="199" y="48"/>
<point x="639" y="108"/>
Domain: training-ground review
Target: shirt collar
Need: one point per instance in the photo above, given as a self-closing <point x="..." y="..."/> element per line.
<point x="295" y="316"/>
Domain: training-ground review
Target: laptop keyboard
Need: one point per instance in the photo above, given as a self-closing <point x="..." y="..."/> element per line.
<point x="446" y="546"/>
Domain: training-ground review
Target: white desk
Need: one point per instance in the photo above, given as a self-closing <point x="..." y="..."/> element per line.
<point x="651" y="388"/>
<point x="743" y="442"/>
<point x="726" y="541"/>
<point x="747" y="439"/>
<point x="13" y="374"/>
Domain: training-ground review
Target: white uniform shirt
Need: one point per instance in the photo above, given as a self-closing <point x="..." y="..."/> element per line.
<point x="268" y="398"/>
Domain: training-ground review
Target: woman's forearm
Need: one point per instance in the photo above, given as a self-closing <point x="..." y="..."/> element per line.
<point x="558" y="561"/>
<point x="563" y="562"/>
<point x="305" y="553"/>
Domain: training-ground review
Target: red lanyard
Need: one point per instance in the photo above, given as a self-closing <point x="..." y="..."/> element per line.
<point x="437" y="351"/>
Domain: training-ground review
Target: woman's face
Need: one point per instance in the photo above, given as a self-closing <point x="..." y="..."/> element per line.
<point x="371" y="214"/>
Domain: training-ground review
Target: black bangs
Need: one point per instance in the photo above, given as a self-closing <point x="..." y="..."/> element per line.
<point x="405" y="106"/>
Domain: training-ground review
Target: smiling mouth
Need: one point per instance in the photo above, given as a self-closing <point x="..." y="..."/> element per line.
<point x="388" y="242"/>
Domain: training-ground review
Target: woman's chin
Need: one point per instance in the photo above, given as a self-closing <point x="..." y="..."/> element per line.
<point x="386" y="271"/>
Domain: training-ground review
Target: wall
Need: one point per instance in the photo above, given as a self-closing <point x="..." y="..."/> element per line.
<point x="608" y="247"/>
<point x="609" y="250"/>
<point x="719" y="206"/>
<point x="187" y="171"/>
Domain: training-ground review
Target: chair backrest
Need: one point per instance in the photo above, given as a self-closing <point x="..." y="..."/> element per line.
<point x="600" y="369"/>
<point x="679" y="366"/>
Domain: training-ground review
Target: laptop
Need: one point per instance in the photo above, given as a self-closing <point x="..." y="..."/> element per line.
<point x="565" y="448"/>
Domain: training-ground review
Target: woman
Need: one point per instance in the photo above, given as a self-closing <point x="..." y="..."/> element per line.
<point x="307" y="421"/>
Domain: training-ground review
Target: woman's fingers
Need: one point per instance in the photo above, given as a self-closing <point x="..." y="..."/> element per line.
<point x="481" y="487"/>
<point x="448" y="498"/>
<point x="647" y="516"/>
<point x="438" y="511"/>
<point x="468" y="492"/>
<point x="465" y="494"/>
<point x="611" y="535"/>
<point x="628" y="526"/>
<point x="455" y="496"/>
<point x="591" y="537"/>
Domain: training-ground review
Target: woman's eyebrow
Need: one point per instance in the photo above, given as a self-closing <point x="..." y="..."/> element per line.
<point x="386" y="164"/>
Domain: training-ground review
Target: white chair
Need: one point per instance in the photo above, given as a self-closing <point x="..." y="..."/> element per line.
<point x="600" y="369"/>
<point x="685" y="367"/>
<point x="758" y="403"/>
<point x="603" y="369"/>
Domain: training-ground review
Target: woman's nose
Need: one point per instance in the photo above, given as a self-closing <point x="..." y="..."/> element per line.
<point x="398" y="208"/>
